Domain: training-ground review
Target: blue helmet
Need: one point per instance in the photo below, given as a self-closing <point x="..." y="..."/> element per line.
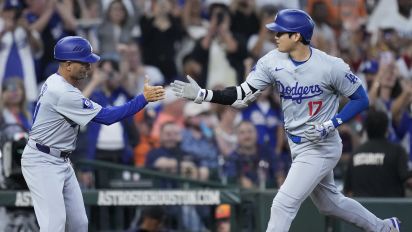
<point x="75" y="48"/>
<point x="293" y="20"/>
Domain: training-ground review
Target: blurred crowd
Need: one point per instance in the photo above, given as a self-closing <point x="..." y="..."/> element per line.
<point x="216" y="42"/>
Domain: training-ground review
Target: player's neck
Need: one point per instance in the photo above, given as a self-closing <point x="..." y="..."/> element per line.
<point x="300" y="52"/>
<point x="62" y="72"/>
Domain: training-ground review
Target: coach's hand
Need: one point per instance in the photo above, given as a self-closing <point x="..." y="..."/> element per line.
<point x="189" y="90"/>
<point x="318" y="131"/>
<point x="153" y="93"/>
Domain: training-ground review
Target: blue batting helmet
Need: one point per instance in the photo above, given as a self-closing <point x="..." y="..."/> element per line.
<point x="75" y="48"/>
<point x="293" y="20"/>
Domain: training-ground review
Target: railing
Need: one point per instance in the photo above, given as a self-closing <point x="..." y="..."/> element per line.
<point x="250" y="208"/>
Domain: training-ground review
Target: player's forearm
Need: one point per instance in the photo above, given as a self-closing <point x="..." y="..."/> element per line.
<point x="110" y="115"/>
<point x="358" y="103"/>
<point x="229" y="95"/>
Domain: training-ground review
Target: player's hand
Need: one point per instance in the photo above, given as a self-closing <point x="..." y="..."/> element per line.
<point x="153" y="93"/>
<point x="189" y="90"/>
<point x="318" y="131"/>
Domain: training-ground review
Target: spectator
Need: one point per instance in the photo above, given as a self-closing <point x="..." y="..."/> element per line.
<point x="332" y="11"/>
<point x="252" y="165"/>
<point x="221" y="52"/>
<point x="265" y="115"/>
<point x="193" y="68"/>
<point x="323" y="36"/>
<point x="244" y="15"/>
<point x="115" y="30"/>
<point x="151" y="220"/>
<point x="161" y="33"/>
<point x="378" y="168"/>
<point x="89" y="19"/>
<point x="281" y="4"/>
<point x="53" y="20"/>
<point x="222" y="216"/>
<point x="170" y="158"/>
<point x="402" y="114"/>
<point x="352" y="14"/>
<point x="171" y="110"/>
<point x="388" y="14"/>
<point x="19" y="47"/>
<point x="14" y="105"/>
<point x="143" y="122"/>
<point x="225" y="129"/>
<point x="110" y="143"/>
<point x="260" y="44"/>
<point x="385" y="90"/>
<point x="136" y="71"/>
<point x="195" y="25"/>
<point x="198" y="136"/>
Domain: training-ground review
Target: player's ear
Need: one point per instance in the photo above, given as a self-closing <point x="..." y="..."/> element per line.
<point x="68" y="65"/>
<point x="297" y="37"/>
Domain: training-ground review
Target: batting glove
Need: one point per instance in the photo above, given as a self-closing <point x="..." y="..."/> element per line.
<point x="319" y="131"/>
<point x="190" y="90"/>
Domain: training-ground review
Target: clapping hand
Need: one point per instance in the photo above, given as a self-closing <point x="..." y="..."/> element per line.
<point x="153" y="93"/>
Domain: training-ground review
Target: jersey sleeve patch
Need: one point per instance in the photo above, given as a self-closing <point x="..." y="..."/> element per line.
<point x="352" y="78"/>
<point x="87" y="104"/>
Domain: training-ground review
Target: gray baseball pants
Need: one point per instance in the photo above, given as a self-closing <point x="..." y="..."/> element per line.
<point x="57" y="198"/>
<point x="311" y="174"/>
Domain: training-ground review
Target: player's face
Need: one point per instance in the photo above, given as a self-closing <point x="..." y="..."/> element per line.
<point x="80" y="70"/>
<point x="285" y="41"/>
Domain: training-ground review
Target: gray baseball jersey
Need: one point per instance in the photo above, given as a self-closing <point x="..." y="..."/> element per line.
<point x="59" y="113"/>
<point x="56" y="194"/>
<point x="310" y="92"/>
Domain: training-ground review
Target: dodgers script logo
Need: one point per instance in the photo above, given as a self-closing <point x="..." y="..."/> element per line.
<point x="298" y="93"/>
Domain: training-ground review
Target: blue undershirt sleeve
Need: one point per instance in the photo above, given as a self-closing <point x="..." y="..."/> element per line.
<point x="358" y="102"/>
<point x="110" y="115"/>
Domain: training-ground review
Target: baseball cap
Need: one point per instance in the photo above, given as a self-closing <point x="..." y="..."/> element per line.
<point x="222" y="211"/>
<point x="192" y="109"/>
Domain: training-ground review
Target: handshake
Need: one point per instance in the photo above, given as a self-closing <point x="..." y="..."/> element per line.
<point x="181" y="89"/>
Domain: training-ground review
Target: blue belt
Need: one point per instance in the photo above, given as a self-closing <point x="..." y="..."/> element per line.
<point x="49" y="150"/>
<point x="296" y="139"/>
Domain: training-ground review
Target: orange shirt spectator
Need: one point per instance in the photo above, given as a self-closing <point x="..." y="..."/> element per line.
<point x="333" y="14"/>
<point x="144" y="120"/>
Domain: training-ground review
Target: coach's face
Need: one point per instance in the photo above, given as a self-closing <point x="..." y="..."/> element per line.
<point x="78" y="70"/>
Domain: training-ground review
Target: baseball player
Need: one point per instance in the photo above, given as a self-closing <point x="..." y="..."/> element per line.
<point x="309" y="83"/>
<point x="59" y="113"/>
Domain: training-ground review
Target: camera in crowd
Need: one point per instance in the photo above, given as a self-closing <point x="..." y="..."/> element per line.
<point x="13" y="139"/>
